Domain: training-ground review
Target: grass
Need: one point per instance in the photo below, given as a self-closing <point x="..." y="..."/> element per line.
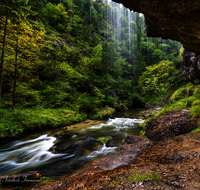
<point x="197" y="130"/>
<point x="92" y="159"/>
<point x="141" y="177"/>
<point x="46" y="179"/>
<point x="13" y="123"/>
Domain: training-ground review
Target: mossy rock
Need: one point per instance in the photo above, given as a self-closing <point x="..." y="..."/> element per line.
<point x="104" y="140"/>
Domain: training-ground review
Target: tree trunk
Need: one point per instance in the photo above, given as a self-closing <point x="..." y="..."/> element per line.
<point x="2" y="56"/>
<point x="15" y="76"/>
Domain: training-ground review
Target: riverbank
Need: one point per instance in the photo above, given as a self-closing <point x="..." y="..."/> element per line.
<point x="169" y="164"/>
<point x="17" y="122"/>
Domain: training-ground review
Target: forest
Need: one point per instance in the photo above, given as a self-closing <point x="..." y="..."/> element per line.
<point x="63" y="61"/>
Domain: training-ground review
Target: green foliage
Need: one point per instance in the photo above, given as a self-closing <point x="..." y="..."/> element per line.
<point x="184" y="91"/>
<point x="159" y="80"/>
<point x="73" y="57"/>
<point x="56" y="16"/>
<point x="147" y="176"/>
<point x="157" y="56"/>
<point x="184" y="97"/>
<point x="14" y="123"/>
<point x="104" y="140"/>
<point x="46" y="179"/>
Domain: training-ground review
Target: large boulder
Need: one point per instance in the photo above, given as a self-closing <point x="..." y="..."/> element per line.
<point x="170" y="124"/>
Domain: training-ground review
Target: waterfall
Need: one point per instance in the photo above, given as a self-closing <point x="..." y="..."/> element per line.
<point x="129" y="34"/>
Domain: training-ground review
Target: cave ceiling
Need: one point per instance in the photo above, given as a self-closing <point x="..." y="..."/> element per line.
<point x="170" y="19"/>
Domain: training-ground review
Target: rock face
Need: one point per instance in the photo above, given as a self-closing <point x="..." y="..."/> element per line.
<point x="170" y="124"/>
<point x="191" y="67"/>
<point x="169" y="19"/>
<point x="176" y="20"/>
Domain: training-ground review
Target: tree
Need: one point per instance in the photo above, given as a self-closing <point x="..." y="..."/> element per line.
<point x="27" y="49"/>
<point x="56" y="16"/>
<point x="24" y="44"/>
<point x="16" y="9"/>
<point x="157" y="56"/>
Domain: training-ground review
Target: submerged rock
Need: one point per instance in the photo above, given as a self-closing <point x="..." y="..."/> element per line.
<point x="170" y="124"/>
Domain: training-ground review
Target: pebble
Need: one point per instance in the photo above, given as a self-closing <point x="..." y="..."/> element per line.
<point x="175" y="183"/>
<point x="141" y="183"/>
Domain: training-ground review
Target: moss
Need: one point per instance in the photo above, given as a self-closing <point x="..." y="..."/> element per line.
<point x="18" y="121"/>
<point x="184" y="97"/>
<point x="103" y="112"/>
<point x="182" y="92"/>
<point x="141" y="177"/>
<point x="104" y="140"/>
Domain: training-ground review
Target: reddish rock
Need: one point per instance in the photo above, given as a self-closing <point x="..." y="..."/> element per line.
<point x="170" y="124"/>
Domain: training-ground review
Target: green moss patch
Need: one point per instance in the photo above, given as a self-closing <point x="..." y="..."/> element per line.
<point x="14" y="123"/>
<point x="104" y="140"/>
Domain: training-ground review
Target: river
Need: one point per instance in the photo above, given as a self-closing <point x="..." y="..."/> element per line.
<point x="62" y="151"/>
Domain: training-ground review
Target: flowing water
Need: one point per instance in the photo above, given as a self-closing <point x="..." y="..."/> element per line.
<point x="62" y="151"/>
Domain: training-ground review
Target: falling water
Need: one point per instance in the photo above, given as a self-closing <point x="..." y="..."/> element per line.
<point x="129" y="33"/>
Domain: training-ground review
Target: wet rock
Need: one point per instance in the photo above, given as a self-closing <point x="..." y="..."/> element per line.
<point x="132" y="139"/>
<point x="150" y="112"/>
<point x="191" y="67"/>
<point x="170" y="124"/>
<point x="159" y="156"/>
<point x="128" y="154"/>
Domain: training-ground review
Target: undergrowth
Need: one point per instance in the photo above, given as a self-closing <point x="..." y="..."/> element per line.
<point x="187" y="96"/>
<point x="14" y="123"/>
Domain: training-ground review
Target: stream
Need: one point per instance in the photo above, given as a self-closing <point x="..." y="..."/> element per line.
<point x="63" y="151"/>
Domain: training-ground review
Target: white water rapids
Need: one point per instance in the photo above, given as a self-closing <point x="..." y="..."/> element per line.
<point x="73" y="149"/>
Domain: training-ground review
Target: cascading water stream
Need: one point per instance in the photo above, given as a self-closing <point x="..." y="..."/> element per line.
<point x="62" y="152"/>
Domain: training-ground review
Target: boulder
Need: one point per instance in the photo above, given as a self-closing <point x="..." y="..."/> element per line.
<point x="170" y="124"/>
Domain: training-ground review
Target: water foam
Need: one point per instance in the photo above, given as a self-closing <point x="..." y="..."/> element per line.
<point x="119" y="123"/>
<point x="32" y="153"/>
<point x="101" y="152"/>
